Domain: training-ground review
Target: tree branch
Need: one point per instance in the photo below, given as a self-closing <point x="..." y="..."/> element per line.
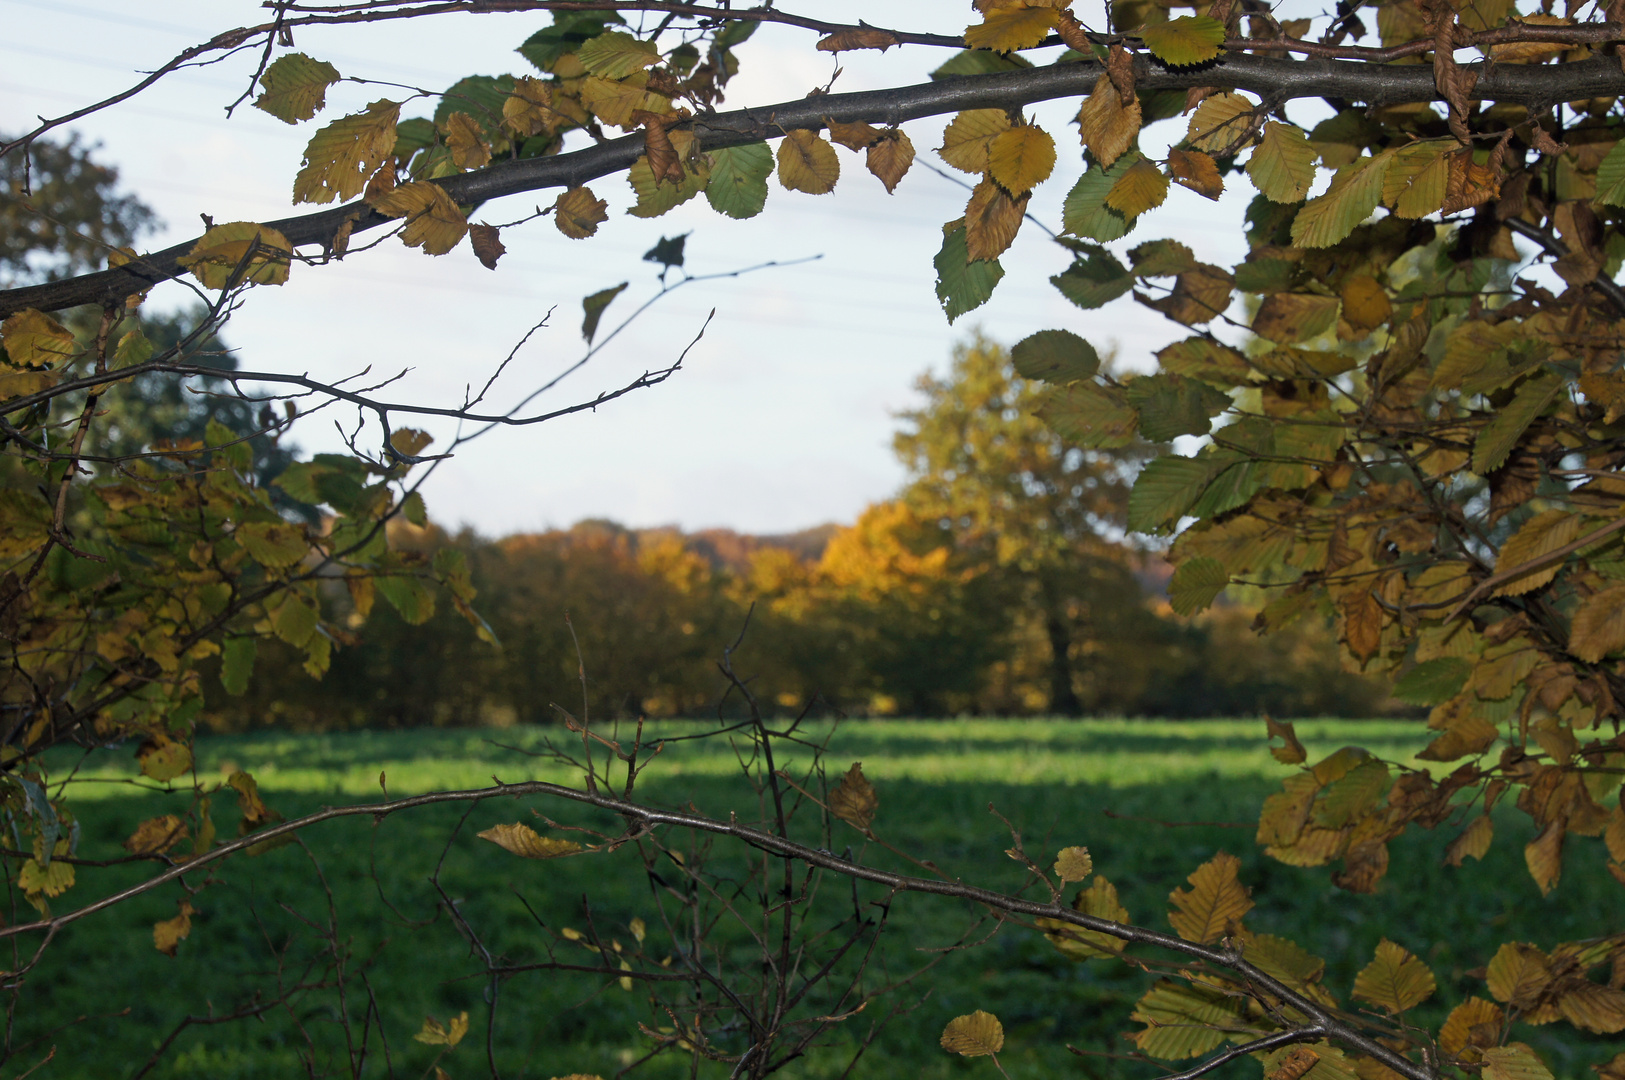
<point x="1274" y="79"/>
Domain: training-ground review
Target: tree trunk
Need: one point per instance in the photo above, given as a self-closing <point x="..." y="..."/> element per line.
<point x="1063" y="699"/>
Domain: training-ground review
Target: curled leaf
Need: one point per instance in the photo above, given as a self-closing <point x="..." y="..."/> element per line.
<point x="527" y="843"/>
<point x="854" y="800"/>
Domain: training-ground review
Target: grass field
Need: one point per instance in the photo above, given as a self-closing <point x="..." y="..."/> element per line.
<point x="1107" y="784"/>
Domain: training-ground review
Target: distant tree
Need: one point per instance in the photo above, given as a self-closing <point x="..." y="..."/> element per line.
<point x="1048" y="516"/>
<point x="60" y="212"/>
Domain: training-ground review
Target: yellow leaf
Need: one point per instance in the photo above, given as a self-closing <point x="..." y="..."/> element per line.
<point x="1221" y="125"/>
<point x="808" y="163"/>
<point x="1473" y="842"/>
<point x="433" y="1034"/>
<point x="273" y="545"/>
<point x="524" y="841"/>
<point x="639" y="930"/>
<point x="1514" y="1061"/>
<point x="1107" y="124"/>
<point x="1599" y="626"/>
<point x="854" y="799"/>
<point x="1215" y="902"/>
<point x="295" y="87"/>
<point x="1415" y="183"/>
<point x="615" y="100"/>
<point x="1073" y="864"/>
<point x="1544" y="856"/>
<point x="156" y="835"/>
<point x="976" y="1035"/>
<point x="1365" y="303"/>
<point x="1100" y="900"/>
<point x="1517" y="974"/>
<point x="1594" y="1008"/>
<point x="1458" y="1031"/>
<point x="1282" y="167"/>
<point x="529" y="110"/>
<point x="1021" y="158"/>
<point x="1531" y="52"/>
<point x="1141" y="188"/>
<point x="859" y="136"/>
<point x="1354" y="193"/>
<point x="433" y="221"/>
<point x="168" y="934"/>
<point x="1539" y="536"/>
<point x="1291" y="752"/>
<point x="890" y="158"/>
<point x="992" y="218"/>
<point x="466" y="141"/>
<point x="22" y="383"/>
<point x="221" y="250"/>
<point x="577" y="213"/>
<point x="1187" y="40"/>
<point x="1005" y="29"/>
<point x="163" y="758"/>
<point x="1197" y="171"/>
<point x="966" y="139"/>
<point x="35" y="340"/>
<point x="52" y="880"/>
<point x="342" y="155"/>
<point x="1395" y="980"/>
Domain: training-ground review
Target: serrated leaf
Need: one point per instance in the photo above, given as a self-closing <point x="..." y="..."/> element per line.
<point x="969" y="136"/>
<point x="1197" y="171"/>
<point x="274" y="545"/>
<point x="577" y="212"/>
<point x="1073" y="864"/>
<point x="434" y="1034"/>
<point x="1142" y="187"/>
<point x="1611" y="177"/>
<point x="1055" y="356"/>
<point x="1165" y="491"/>
<point x="1196" y="584"/>
<point x="616" y="101"/>
<point x="1497" y="438"/>
<point x="1085" y="213"/>
<point x="976" y="1035"/>
<point x="1215" y="902"/>
<point x="1005" y="29"/>
<point x="1107" y="124"/>
<point x="1172" y="405"/>
<point x="1094" y="279"/>
<point x="1220" y="123"/>
<point x="889" y="159"/>
<point x="1514" y="1061"/>
<point x="295" y="87"/>
<point x="342" y="156"/>
<point x="38" y="880"/>
<point x="294" y="621"/>
<point x="1282" y="166"/>
<point x="1021" y="158"/>
<point x="34" y="339"/>
<point x="963" y="285"/>
<point x="527" y="843"/>
<point x="237" y="663"/>
<point x="656" y="198"/>
<point x="466" y="141"/>
<point x="409" y="596"/>
<point x="222" y="249"/>
<point x="992" y="218"/>
<point x="738" y="183"/>
<point x="854" y="799"/>
<point x="1100" y="900"/>
<point x="1187" y="40"/>
<point x="1354" y="194"/>
<point x="615" y="55"/>
<point x="1205" y="359"/>
<point x="980" y="62"/>
<point x="433" y="221"/>
<point x="593" y="306"/>
<point x="156" y="835"/>
<point x="1184" y="1021"/>
<point x="808" y="163"/>
<point x="1288" y="318"/>
<point x="1089" y="415"/>
<point x="1415" y="184"/>
<point x="1598" y="628"/>
<point x="168" y="934"/>
<point x="1537" y="537"/>
<point x="1365" y="303"/>
<point x="528" y="110"/>
<point x="1433" y="682"/>
<point x="1395" y="980"/>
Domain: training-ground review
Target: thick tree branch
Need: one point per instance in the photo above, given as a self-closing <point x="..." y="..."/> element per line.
<point x="1275" y="80"/>
<point x="641" y="819"/>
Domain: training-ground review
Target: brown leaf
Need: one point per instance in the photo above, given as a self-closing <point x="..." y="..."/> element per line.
<point x="854" y="800"/>
<point x="1544" y="856"/>
<point x="859" y="136"/>
<point x="1298" y="1060"/>
<point x="1071" y="31"/>
<point x="1197" y="171"/>
<point x="859" y="37"/>
<point x="1120" y="70"/>
<point x="976" y="1035"/>
<point x="890" y="158"/>
<point x="1292" y="752"/>
<point x="1108" y="122"/>
<point x="1213" y="905"/>
<point x="1362" y="623"/>
<point x="578" y="213"/>
<point x="156" y="835"/>
<point x="525" y="842"/>
<point x="1365" y="303"/>
<point x="991" y="219"/>
<point x="487" y="241"/>
<point x="664" y="161"/>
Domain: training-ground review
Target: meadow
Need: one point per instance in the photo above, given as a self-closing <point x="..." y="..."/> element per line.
<point x="1151" y="799"/>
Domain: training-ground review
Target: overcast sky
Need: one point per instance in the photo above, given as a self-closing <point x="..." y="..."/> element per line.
<point x="783" y="414"/>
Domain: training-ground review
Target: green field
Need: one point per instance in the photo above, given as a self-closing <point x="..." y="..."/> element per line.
<point x="1109" y="784"/>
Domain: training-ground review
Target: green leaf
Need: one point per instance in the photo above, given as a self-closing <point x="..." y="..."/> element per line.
<point x="133" y="348"/>
<point x="1185" y="1021"/>
<point x="980" y="62"/>
<point x="963" y="285"/>
<point x="1187" y="40"/>
<point x="593" y="309"/>
<point x="570" y="31"/>
<point x="481" y="97"/>
<point x="413" y="510"/>
<point x="1094" y="279"/>
<point x="1085" y="213"/>
<point x="1161" y="258"/>
<point x="1354" y="194"/>
<point x="237" y="663"/>
<point x="738" y="184"/>
<point x="656" y="197"/>
<point x="1172" y="405"/>
<point x="273" y="544"/>
<point x="1282" y="167"/>
<point x="1350" y="796"/>
<point x="1089" y="415"/>
<point x="615" y="55"/>
<point x="407" y="595"/>
<point x="1205" y="359"/>
<point x="1265" y="275"/>
<point x="1165" y="491"/>
<point x="1234" y="482"/>
<point x="294" y="621"/>
<point x="1196" y="584"/>
<point x="1056" y="356"/>
<point x="1433" y="682"/>
<point x="295" y="87"/>
<point x="1611" y="177"/>
<point x="1416" y="181"/>
<point x="1497" y="438"/>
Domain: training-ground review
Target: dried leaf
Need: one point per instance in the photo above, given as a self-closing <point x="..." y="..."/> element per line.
<point x="1073" y="864"/>
<point x="342" y="155"/>
<point x="1197" y="171"/>
<point x="1213" y="905"/>
<point x="860" y="37"/>
<point x="859" y="136"/>
<point x="1221" y="124"/>
<point x="976" y="1035"/>
<point x="433" y="1034"/>
<point x="890" y="158"/>
<point x="168" y="934"/>
<point x="577" y="213"/>
<point x="1108" y="123"/>
<point x="156" y="835"/>
<point x="466" y="141"/>
<point x="433" y="221"/>
<point x="992" y="218"/>
<point x="522" y="840"/>
<point x="34" y="339"/>
<point x="1395" y="980"/>
<point x="487" y="242"/>
<point x="854" y="799"/>
<point x="808" y="163"/>
<point x="1291" y="752"/>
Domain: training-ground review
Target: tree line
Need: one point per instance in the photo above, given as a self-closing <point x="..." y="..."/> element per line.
<point x="995" y="583"/>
